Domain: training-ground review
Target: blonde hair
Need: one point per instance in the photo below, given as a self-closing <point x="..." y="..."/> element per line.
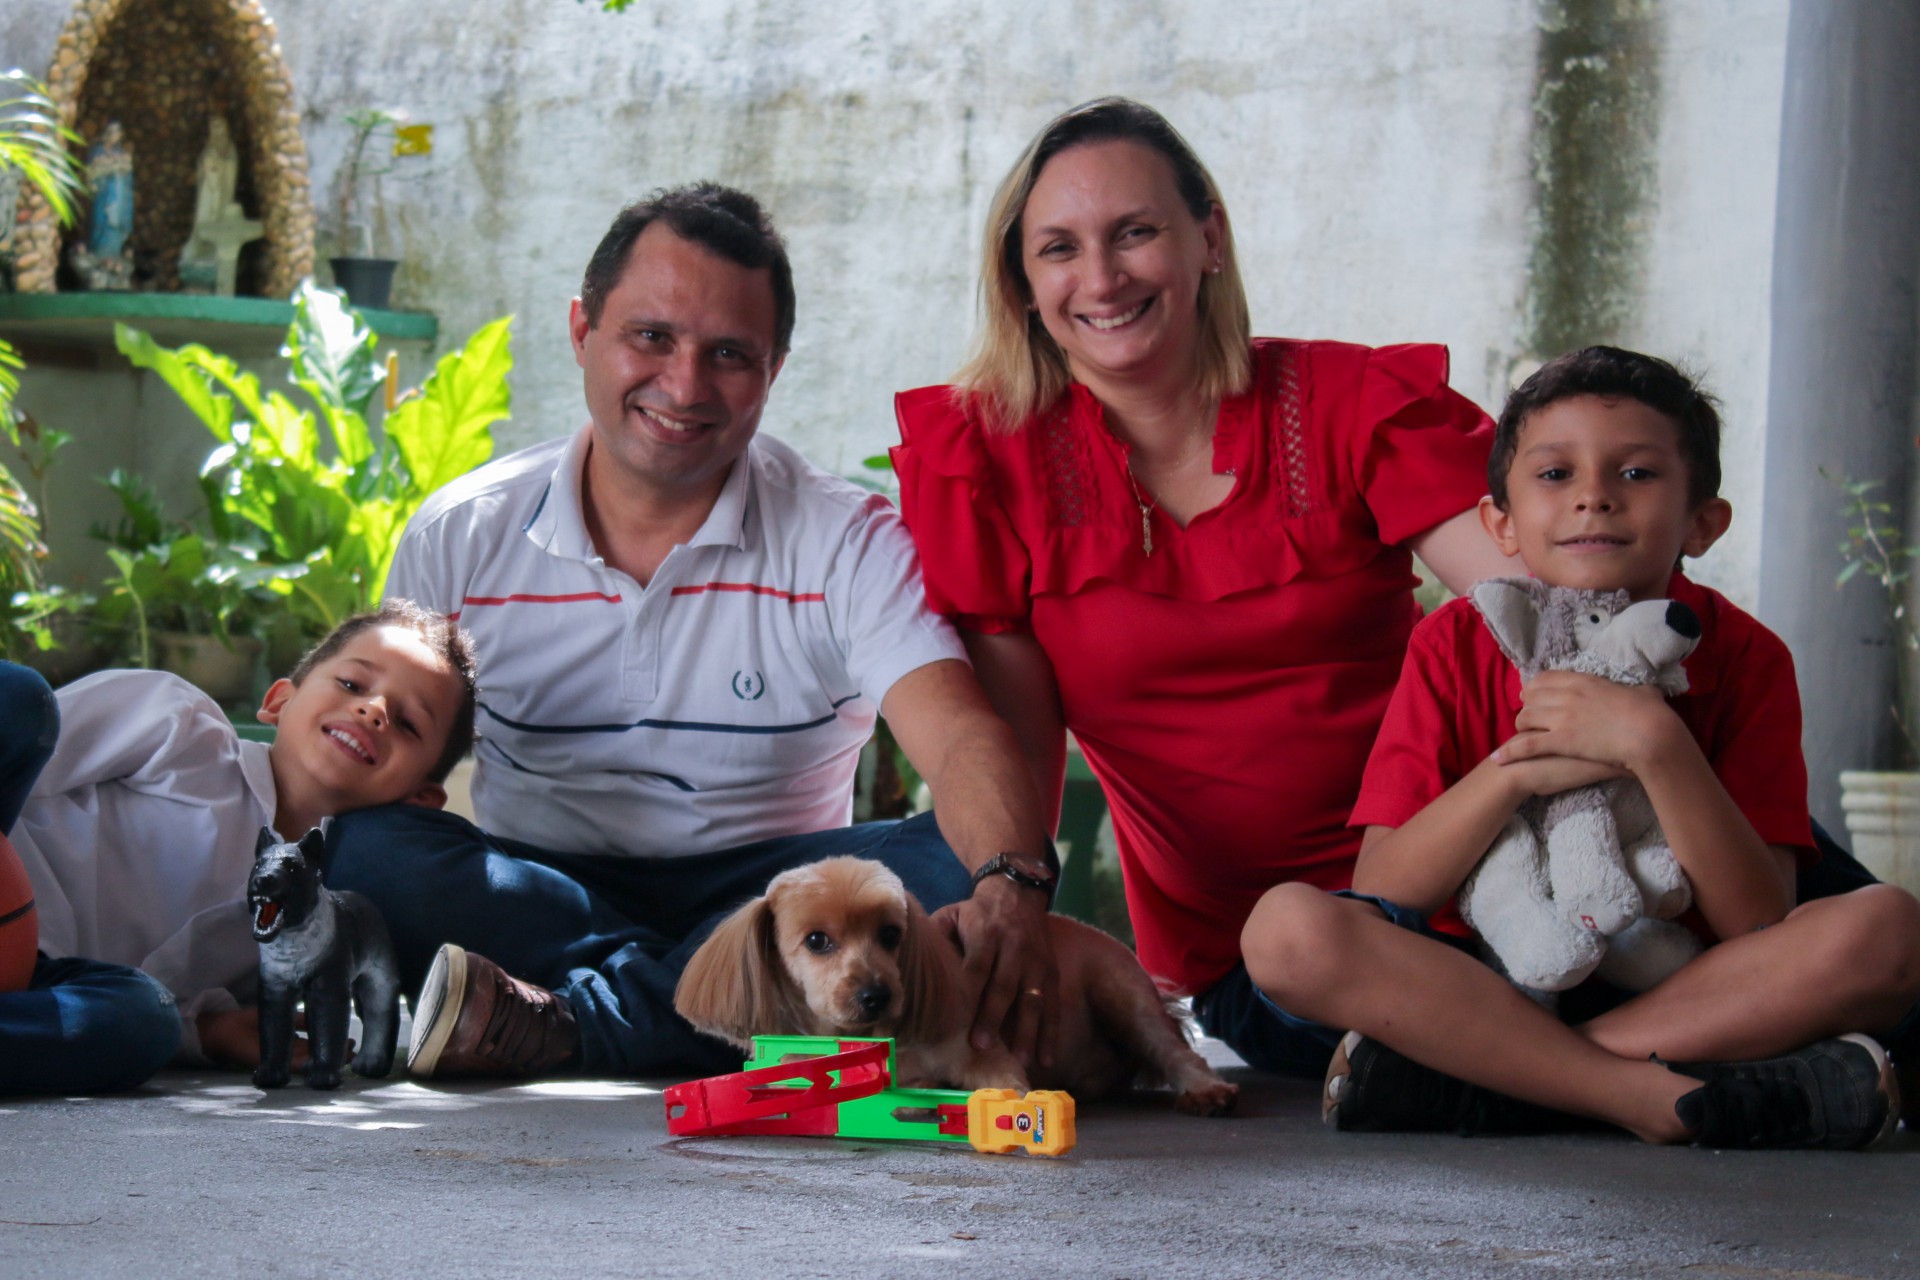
<point x="1016" y="369"/>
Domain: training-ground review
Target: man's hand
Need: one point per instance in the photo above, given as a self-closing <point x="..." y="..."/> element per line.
<point x="231" y="1038"/>
<point x="1012" y="979"/>
<point x="1569" y="713"/>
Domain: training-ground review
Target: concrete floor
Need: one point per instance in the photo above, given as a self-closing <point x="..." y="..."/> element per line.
<point x="200" y="1175"/>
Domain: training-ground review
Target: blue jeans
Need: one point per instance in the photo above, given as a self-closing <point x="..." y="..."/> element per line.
<point x="84" y="1026"/>
<point x="81" y="1026"/>
<point x="29" y="726"/>
<point x="611" y="934"/>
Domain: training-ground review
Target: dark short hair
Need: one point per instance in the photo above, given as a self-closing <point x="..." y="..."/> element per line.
<point x="449" y="643"/>
<point x="1615" y="374"/>
<point x="727" y="222"/>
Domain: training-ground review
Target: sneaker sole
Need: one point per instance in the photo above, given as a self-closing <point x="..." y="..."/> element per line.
<point x="441" y="996"/>
<point x="1338" y="1072"/>
<point x="1889" y="1087"/>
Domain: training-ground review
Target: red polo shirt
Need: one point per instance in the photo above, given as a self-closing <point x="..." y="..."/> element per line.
<point x="1458" y="696"/>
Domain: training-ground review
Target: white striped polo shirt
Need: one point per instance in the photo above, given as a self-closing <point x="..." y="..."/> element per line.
<point x="724" y="702"/>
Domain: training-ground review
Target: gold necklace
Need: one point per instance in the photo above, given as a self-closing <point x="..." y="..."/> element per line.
<point x="1146" y="512"/>
<point x="1146" y="507"/>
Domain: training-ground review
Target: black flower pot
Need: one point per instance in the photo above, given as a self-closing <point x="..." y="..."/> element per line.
<point x="367" y="281"/>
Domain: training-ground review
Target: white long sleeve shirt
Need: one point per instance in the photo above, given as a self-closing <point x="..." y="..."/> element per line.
<point x="139" y="836"/>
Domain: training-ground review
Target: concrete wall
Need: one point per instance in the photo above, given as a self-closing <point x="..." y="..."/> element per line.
<point x="1386" y="166"/>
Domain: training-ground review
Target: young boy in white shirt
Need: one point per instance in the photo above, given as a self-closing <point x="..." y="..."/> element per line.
<point x="138" y="829"/>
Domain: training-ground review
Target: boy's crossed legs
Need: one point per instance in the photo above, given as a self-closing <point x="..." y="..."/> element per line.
<point x="1833" y="966"/>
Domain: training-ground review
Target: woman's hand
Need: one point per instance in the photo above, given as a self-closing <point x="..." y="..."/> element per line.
<point x="1011" y="975"/>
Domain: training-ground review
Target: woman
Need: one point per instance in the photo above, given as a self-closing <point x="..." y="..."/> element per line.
<point x="1191" y="548"/>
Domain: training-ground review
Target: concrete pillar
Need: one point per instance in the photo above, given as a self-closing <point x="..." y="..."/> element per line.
<point x="1842" y="381"/>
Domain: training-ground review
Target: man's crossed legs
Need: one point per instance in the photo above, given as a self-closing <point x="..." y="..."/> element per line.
<point x="608" y="934"/>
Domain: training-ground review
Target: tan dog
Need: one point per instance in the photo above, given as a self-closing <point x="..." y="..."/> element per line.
<point x="841" y="948"/>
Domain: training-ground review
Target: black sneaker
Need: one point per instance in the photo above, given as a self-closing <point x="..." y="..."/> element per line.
<point x="1837" y="1095"/>
<point x="1373" y="1089"/>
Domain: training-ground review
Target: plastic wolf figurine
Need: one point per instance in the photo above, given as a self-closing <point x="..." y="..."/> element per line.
<point x="325" y="946"/>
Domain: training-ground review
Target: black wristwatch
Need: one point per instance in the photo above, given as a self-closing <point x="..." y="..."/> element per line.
<point x="1022" y="870"/>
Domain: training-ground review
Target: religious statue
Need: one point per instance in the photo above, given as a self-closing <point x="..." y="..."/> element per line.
<point x="105" y="261"/>
<point x="220" y="227"/>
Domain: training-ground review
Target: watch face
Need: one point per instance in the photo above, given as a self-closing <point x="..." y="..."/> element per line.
<point x="1033" y="870"/>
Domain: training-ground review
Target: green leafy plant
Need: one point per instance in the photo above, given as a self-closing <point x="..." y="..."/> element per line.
<point x="311" y="495"/>
<point x="1872" y="550"/>
<point x="188" y="584"/>
<point x="34" y="145"/>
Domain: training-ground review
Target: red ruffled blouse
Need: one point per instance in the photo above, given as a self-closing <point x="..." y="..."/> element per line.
<point x="1227" y="688"/>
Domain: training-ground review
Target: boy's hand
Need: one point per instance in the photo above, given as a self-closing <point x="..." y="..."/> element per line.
<point x="1532" y="774"/>
<point x="1569" y="713"/>
<point x="231" y="1037"/>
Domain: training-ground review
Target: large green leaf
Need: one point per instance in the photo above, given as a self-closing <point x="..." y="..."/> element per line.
<point x="333" y="360"/>
<point x="184" y="374"/>
<point x="442" y="434"/>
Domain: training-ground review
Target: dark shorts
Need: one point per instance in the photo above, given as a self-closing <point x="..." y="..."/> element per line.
<point x="1268" y="1037"/>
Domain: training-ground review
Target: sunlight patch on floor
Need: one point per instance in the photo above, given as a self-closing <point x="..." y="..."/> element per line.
<point x="602" y="1090"/>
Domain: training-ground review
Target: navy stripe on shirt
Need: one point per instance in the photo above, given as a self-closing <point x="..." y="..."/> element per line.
<point x="697" y="726"/>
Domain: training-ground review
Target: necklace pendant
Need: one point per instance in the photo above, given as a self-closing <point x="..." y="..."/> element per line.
<point x="1146" y="530"/>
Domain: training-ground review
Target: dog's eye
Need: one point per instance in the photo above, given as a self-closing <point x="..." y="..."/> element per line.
<point x="890" y="935"/>
<point x="817" y="942"/>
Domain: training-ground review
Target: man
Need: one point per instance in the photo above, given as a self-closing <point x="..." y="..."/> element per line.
<point x="684" y="632"/>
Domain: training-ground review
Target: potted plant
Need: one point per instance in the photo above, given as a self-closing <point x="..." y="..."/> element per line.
<point x="179" y="601"/>
<point x="379" y="138"/>
<point x="312" y="498"/>
<point x="1882" y="807"/>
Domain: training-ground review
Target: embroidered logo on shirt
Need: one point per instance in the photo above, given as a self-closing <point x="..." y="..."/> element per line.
<point x="749" y="685"/>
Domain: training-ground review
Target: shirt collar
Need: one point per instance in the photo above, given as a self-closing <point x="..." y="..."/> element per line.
<point x="726" y="524"/>
<point x="559" y="525"/>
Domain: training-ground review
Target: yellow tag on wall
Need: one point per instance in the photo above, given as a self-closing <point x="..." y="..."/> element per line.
<point x="413" y="140"/>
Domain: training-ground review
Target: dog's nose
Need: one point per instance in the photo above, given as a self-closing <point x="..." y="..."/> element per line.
<point x="873" y="1000"/>
<point x="1684" y="621"/>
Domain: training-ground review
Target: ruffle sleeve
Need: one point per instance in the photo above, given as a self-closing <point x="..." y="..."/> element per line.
<point x="977" y="570"/>
<point x="1420" y="446"/>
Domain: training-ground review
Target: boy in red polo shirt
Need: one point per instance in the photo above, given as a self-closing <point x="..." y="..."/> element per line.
<point x="1605" y="472"/>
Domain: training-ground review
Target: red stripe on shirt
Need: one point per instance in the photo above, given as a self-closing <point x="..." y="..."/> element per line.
<point x="578" y="597"/>
<point x="801" y="597"/>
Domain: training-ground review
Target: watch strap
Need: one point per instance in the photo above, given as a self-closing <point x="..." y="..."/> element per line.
<point x="1009" y="865"/>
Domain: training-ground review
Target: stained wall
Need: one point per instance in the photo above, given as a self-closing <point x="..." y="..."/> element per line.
<point x="1394" y="172"/>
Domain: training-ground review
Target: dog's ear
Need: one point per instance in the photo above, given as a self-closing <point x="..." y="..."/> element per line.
<point x="263" y="842"/>
<point x="313" y="846"/>
<point x="932" y="1002"/>
<point x="736" y="987"/>
<point x="1511" y="608"/>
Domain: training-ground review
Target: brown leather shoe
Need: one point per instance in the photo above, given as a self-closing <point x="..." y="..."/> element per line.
<point x="472" y="1019"/>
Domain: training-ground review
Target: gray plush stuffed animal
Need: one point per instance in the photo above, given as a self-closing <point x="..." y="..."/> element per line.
<point x="1584" y="881"/>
